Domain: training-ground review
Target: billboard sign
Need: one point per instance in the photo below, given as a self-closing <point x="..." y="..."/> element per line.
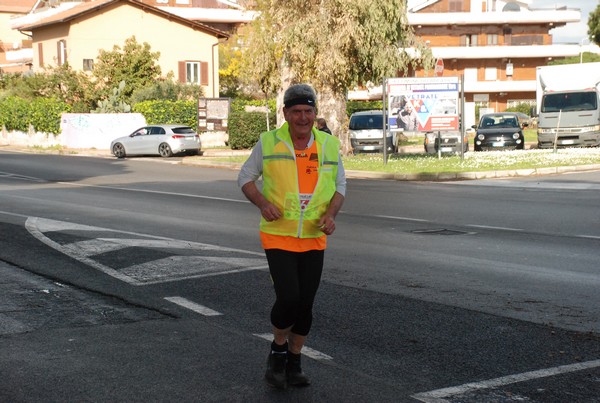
<point x="423" y="104"/>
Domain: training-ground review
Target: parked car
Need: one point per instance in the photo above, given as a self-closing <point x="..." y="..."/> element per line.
<point x="450" y="142"/>
<point x="499" y="131"/>
<point x="366" y="132"/>
<point x="163" y="140"/>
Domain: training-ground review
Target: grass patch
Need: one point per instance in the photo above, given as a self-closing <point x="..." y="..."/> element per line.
<point x="472" y="162"/>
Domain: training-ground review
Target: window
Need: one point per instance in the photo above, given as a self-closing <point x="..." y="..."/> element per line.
<point x="455" y="6"/>
<point x="193" y="72"/>
<point x="88" y="64"/>
<point x="468" y="40"/>
<point x="491" y="74"/>
<point x="61" y="57"/>
<point x="157" y="130"/>
<point x="507" y="31"/>
<point x="492" y="39"/>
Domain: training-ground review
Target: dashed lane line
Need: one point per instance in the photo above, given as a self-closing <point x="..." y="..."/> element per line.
<point x="186" y="303"/>
<point x="495" y="228"/>
<point x="440" y="395"/>
<point x="202" y="310"/>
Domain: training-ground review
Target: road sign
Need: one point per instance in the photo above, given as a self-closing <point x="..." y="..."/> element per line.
<point x="439" y="67"/>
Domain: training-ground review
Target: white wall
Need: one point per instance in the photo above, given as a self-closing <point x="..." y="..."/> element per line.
<point x="80" y="130"/>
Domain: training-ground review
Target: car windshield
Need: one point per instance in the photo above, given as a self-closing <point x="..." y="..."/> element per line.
<point x="366" y="122"/>
<point x="570" y="101"/>
<point x="183" y="130"/>
<point x="488" y="122"/>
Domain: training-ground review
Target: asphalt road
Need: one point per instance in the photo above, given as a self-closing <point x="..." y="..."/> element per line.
<point x="121" y="286"/>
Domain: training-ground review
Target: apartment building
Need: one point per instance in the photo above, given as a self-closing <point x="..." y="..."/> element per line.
<point x="495" y="45"/>
<point x="15" y="47"/>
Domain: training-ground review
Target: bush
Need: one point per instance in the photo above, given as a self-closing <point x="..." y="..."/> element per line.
<point x="46" y="113"/>
<point x="40" y="113"/>
<point x="180" y="112"/>
<point x="245" y="128"/>
<point x="522" y="107"/>
<point x="354" y="106"/>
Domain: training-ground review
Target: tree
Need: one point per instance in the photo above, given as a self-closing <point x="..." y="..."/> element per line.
<point x="333" y="45"/>
<point x="230" y="64"/>
<point x="594" y="25"/>
<point x="167" y="90"/>
<point x="134" y="63"/>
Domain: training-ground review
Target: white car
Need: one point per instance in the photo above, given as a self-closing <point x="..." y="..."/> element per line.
<point x="163" y="140"/>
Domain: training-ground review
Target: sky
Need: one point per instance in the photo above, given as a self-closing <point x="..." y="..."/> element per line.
<point x="572" y="32"/>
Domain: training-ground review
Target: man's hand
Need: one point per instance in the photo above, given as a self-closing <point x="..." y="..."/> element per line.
<point x="267" y="209"/>
<point x="327" y="224"/>
<point x="270" y="212"/>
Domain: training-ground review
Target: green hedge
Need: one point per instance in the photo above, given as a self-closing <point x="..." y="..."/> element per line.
<point x="245" y="128"/>
<point x="353" y="106"/>
<point x="157" y="112"/>
<point x="42" y="114"/>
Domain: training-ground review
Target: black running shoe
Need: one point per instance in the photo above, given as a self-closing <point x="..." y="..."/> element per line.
<point x="293" y="369"/>
<point x="275" y="374"/>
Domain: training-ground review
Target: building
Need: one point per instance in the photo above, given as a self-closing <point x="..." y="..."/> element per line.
<point x="224" y="15"/>
<point x="495" y="45"/>
<point x="15" y="47"/>
<point x="77" y="31"/>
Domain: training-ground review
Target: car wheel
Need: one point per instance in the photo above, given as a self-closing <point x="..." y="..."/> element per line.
<point x="119" y="151"/>
<point x="165" y="150"/>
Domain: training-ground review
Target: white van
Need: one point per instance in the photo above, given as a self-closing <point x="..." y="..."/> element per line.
<point x="366" y="132"/>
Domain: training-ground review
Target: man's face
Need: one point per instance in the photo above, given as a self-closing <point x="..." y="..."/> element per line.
<point x="300" y="118"/>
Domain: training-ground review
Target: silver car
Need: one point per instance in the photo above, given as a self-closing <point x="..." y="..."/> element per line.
<point x="163" y="140"/>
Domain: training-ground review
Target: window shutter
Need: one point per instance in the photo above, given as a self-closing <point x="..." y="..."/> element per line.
<point x="41" y="54"/>
<point x="181" y="75"/>
<point x="203" y="73"/>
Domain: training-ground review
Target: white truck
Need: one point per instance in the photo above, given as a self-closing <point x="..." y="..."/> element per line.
<point x="568" y="106"/>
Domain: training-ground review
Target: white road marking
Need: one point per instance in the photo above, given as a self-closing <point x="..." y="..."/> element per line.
<point x="492" y="227"/>
<point x="186" y="303"/>
<point x="153" y="191"/>
<point x="400" y="218"/>
<point x="307" y="351"/>
<point x="439" y="395"/>
<point x="181" y="264"/>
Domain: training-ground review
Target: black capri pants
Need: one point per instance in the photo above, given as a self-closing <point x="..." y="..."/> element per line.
<point x="296" y="277"/>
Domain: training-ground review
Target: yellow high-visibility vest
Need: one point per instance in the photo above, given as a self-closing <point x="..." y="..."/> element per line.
<point x="280" y="183"/>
